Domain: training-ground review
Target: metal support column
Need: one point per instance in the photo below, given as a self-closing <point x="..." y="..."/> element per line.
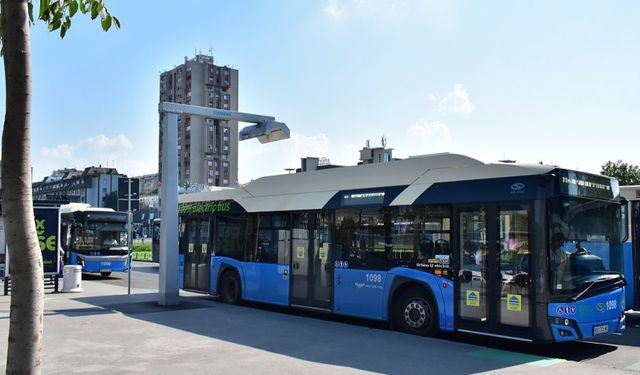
<point x="169" y="293"/>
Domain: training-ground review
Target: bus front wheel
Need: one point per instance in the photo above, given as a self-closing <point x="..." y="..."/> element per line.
<point x="414" y="312"/>
<point x="230" y="289"/>
<point x="105" y="274"/>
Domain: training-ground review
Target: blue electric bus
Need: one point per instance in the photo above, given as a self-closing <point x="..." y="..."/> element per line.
<point x="437" y="242"/>
<point x="96" y="238"/>
<point x="632" y="247"/>
<point x="155" y="240"/>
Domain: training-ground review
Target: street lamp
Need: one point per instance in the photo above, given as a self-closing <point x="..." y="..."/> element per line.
<point x="265" y="128"/>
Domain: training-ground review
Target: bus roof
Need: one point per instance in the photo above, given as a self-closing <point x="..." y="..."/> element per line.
<point x="312" y="190"/>
<point x="82" y="207"/>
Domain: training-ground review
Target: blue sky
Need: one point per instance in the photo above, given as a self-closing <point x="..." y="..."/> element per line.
<point x="556" y="82"/>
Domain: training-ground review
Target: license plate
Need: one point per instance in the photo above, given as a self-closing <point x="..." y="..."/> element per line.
<point x="602" y="329"/>
<point x="105" y="270"/>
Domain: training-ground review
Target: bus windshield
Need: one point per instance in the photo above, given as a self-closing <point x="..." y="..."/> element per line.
<point x="99" y="235"/>
<point x="585" y="243"/>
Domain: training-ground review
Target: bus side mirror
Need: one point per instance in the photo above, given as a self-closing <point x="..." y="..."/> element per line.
<point x="465" y="276"/>
<point x="624" y="212"/>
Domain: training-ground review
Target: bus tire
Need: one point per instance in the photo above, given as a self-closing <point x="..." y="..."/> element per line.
<point x="414" y="312"/>
<point x="230" y="288"/>
<point x="105" y="274"/>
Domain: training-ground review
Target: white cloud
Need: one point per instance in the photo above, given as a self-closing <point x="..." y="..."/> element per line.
<point x="63" y="151"/>
<point x="433" y="12"/>
<point x="456" y="101"/>
<point x="117" y="151"/>
<point x="335" y="9"/>
<point x="432" y="97"/>
<point x="425" y="138"/>
<point x="119" y="142"/>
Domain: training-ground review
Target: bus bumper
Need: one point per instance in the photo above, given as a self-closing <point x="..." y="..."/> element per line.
<point x="111" y="263"/>
<point x="577" y="331"/>
<point x="590" y="317"/>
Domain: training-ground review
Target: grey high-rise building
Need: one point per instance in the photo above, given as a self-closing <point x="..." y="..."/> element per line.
<point x="207" y="148"/>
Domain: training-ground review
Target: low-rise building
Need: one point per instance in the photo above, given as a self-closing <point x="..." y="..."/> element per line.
<point x="96" y="186"/>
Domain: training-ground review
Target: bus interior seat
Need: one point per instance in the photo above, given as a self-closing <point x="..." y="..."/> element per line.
<point x="426" y="249"/>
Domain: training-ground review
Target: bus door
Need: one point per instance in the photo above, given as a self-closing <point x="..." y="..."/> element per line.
<point x="311" y="271"/>
<point x="493" y="281"/>
<point x="635" y="238"/>
<point x="155" y="240"/>
<point x="197" y="255"/>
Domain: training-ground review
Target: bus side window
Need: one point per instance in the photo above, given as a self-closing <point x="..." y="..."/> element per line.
<point x="230" y="236"/>
<point x="64" y="236"/>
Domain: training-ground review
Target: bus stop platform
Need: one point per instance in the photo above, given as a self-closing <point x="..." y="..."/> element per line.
<point x="105" y="331"/>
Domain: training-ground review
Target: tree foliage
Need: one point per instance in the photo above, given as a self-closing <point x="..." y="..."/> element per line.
<point x="57" y="14"/>
<point x="627" y="174"/>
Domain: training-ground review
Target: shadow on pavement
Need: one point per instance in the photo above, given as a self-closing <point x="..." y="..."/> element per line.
<point x="573" y="350"/>
<point x="353" y="345"/>
<point x="631" y="337"/>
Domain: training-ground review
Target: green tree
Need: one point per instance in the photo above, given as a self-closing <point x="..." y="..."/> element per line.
<point x="627" y="174"/>
<point x="27" y="287"/>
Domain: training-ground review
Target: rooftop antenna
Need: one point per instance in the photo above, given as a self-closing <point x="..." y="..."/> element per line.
<point x="368" y="144"/>
<point x="384" y="141"/>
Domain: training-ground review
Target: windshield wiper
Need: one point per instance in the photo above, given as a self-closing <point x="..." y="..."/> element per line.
<point x="592" y="283"/>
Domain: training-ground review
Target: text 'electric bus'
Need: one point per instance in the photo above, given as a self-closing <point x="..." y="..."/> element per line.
<point x="444" y="241"/>
<point x="95" y="238"/>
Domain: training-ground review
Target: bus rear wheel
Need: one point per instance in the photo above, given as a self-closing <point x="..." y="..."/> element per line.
<point x="230" y="288"/>
<point x="414" y="312"/>
<point x="105" y="274"/>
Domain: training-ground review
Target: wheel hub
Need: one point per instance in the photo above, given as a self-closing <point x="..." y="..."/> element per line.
<point x="415" y="314"/>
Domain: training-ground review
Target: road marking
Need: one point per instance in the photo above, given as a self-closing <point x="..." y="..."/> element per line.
<point x="633" y="367"/>
<point x="513" y="357"/>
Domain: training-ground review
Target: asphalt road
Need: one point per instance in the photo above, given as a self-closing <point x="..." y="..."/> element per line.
<point x="618" y="351"/>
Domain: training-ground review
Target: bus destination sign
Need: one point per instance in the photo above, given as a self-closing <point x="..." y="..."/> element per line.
<point x="586" y="185"/>
<point x="355" y="199"/>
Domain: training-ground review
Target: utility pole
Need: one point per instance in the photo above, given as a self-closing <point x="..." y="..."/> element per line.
<point x="129" y="236"/>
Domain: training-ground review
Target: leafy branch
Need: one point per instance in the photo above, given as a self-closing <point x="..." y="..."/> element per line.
<point x="57" y="14"/>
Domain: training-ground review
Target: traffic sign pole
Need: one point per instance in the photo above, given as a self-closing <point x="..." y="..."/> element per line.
<point x="130" y="237"/>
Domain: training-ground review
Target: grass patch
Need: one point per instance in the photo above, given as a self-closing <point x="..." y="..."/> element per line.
<point x="141" y="247"/>
<point x="141" y="255"/>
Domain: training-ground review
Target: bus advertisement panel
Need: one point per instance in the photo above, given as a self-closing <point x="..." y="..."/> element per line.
<point x="47" y="221"/>
<point x="47" y="228"/>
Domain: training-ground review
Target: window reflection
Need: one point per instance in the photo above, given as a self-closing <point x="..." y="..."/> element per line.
<point x="513" y="263"/>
